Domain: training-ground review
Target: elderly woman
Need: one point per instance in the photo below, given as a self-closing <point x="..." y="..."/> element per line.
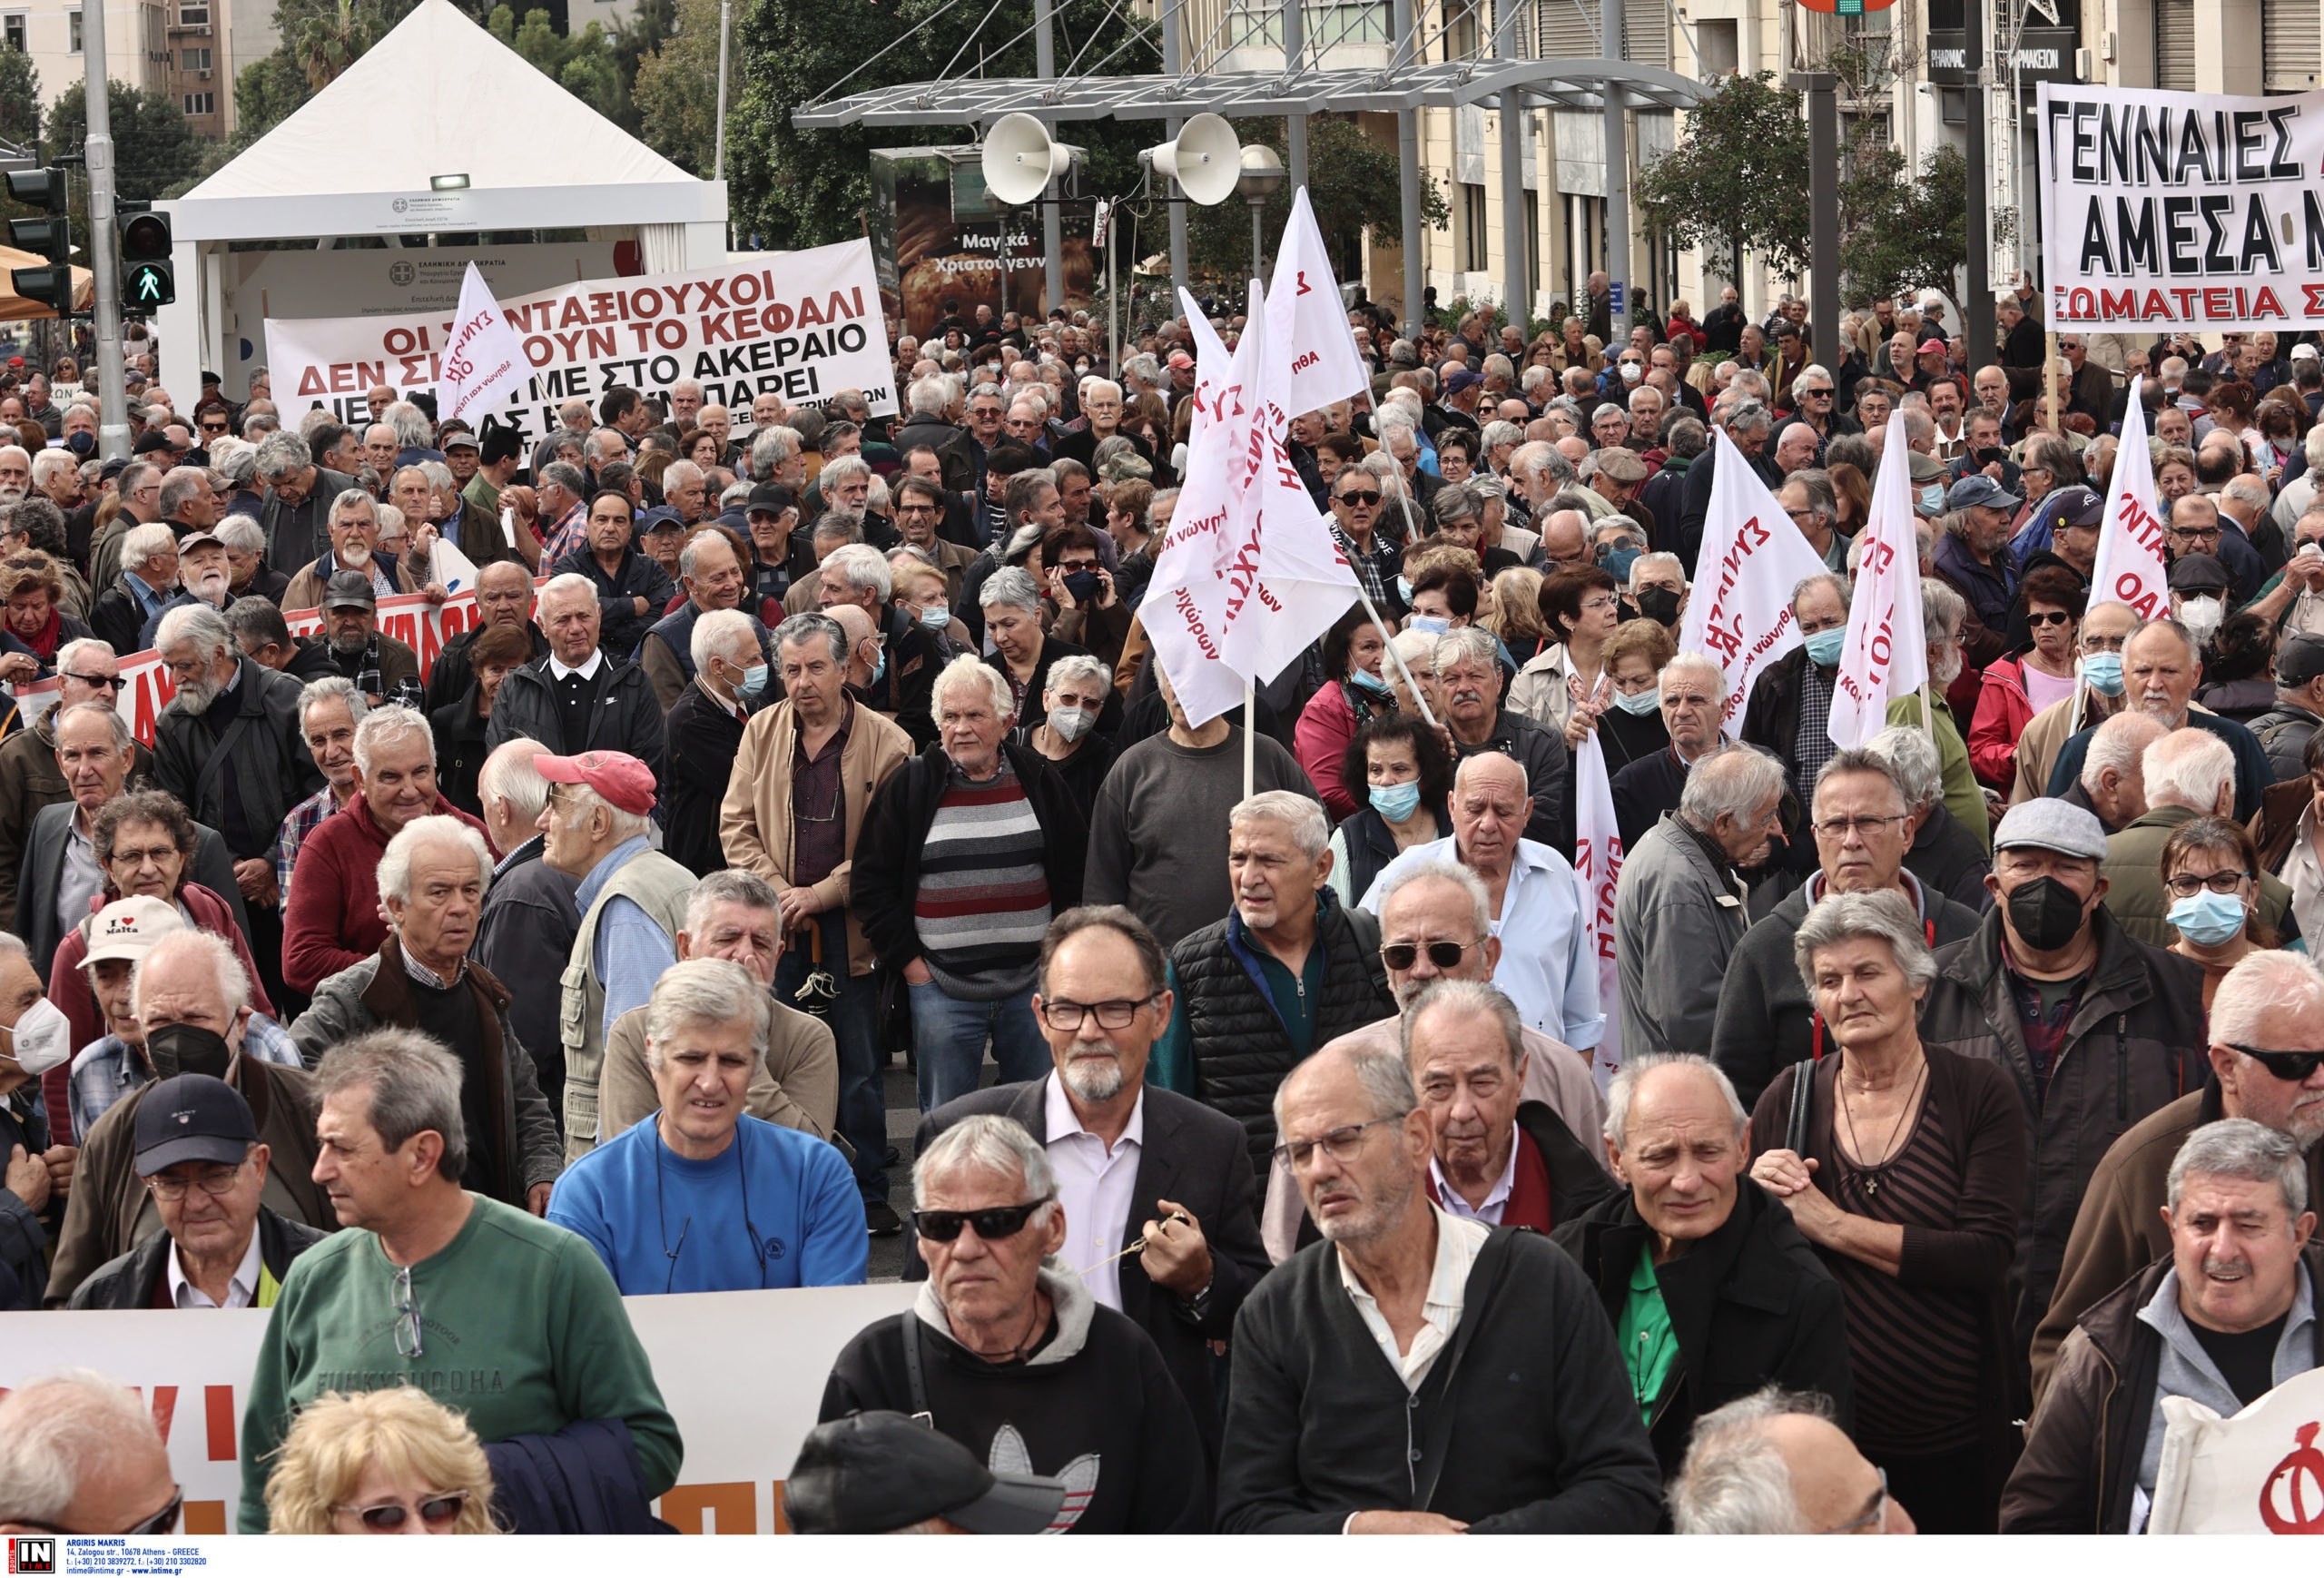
<point x="460" y="726"/>
<point x="2211" y="879"/>
<point x="1407" y="776"/>
<point x="390" y="1461"/>
<point x="1022" y="650"/>
<point x="2015" y="688"/>
<point x="1090" y="613"/>
<point x="2174" y="474"/>
<point x="1905" y="1166"/>
<point x="1357" y="689"/>
<point x="1631" y="724"/>
<point x="1582" y="610"/>
<point x="36" y="625"/>
<point x="1066" y="737"/>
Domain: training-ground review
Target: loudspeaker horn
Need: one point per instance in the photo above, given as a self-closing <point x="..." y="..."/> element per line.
<point x="1206" y="160"/>
<point x="1019" y="158"/>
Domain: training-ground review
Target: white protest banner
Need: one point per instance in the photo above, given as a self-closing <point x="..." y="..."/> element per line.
<point x="146" y="688"/>
<point x="451" y="569"/>
<point x="485" y="366"/>
<point x="2258" y="1473"/>
<point x="1597" y="869"/>
<point x="2168" y="210"/>
<point x="803" y="325"/>
<point x="410" y="619"/>
<point x="1886" y="654"/>
<point x="742" y="1423"/>
<point x="2129" y="566"/>
<point x="1215" y="373"/>
<point x="35" y="699"/>
<point x="1308" y="321"/>
<point x="1752" y="555"/>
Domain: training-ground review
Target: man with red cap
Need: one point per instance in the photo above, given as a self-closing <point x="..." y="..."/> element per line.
<point x="632" y="904"/>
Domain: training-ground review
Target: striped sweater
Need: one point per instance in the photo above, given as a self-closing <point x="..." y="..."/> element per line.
<point x="983" y="901"/>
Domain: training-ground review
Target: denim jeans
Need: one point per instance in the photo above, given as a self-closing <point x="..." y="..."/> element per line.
<point x="949" y="1034"/>
<point x="853" y="1018"/>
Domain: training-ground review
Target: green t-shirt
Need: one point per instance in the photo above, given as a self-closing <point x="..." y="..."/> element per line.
<point x="1649" y="1347"/>
<point x="521" y="1329"/>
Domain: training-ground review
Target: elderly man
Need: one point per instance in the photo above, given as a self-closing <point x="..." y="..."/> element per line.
<point x="354" y="529"/>
<point x="2096" y="1027"/>
<point x="329" y="710"/>
<point x="145" y="585"/>
<point x="426" y="1273"/>
<point x="431" y="882"/>
<point x="2161" y="664"/>
<point x="1680" y="901"/>
<point x="31" y="778"/>
<point x="1863" y="824"/>
<point x="1711" y="1289"/>
<point x="730" y="670"/>
<point x="1774" y="1463"/>
<point x="206" y="576"/>
<point x="711" y="576"/>
<point x="857" y="575"/>
<point x="1546" y="1443"/>
<point x="707" y="1032"/>
<point x="80" y="1455"/>
<point x="2186" y="774"/>
<point x="1009" y="1353"/>
<point x="579" y="697"/>
<point x="1694" y="710"/>
<point x="526" y="933"/>
<point x="384" y="668"/>
<point x="2228" y="1316"/>
<point x="795" y="810"/>
<point x="2266" y="1045"/>
<point x="299" y="495"/>
<point x="1287" y="970"/>
<point x="967" y="852"/>
<point x="1468" y="684"/>
<point x="1544" y="964"/>
<point x="192" y="998"/>
<point x="2112" y="786"/>
<point x="1136" y="1164"/>
<point x="198" y="1153"/>
<point x="504" y="596"/>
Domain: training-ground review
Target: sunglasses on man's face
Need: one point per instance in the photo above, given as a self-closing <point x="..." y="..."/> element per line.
<point x="1356" y="495"/>
<point x="1403" y="956"/>
<point x="993" y="1223"/>
<point x="2292" y="1067"/>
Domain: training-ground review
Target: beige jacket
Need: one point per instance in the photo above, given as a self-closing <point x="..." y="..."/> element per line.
<point x="754" y="821"/>
<point x="796" y="1086"/>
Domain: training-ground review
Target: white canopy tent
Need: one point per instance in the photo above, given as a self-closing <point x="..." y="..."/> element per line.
<point x="369" y="155"/>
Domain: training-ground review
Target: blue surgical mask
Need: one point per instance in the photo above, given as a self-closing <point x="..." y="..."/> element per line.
<point x="1365" y="679"/>
<point x="753" y="680"/>
<point x="1933" y="498"/>
<point x="1618" y="564"/>
<point x="1824" y="646"/>
<point x="879" y="666"/>
<point x="1396" y="802"/>
<point x="2102" y="671"/>
<point x="1429" y="625"/>
<point x="1638" y="705"/>
<point x="939" y="618"/>
<point x="2208" y="919"/>
<point x="1405" y="590"/>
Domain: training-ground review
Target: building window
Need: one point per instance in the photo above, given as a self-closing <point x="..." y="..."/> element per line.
<point x="1718" y="49"/>
<point x="194" y="15"/>
<point x="71" y="32"/>
<point x="199" y="103"/>
<point x="1258" y="24"/>
<point x="14" y="25"/>
<point x="193" y="60"/>
<point x="1472" y="226"/>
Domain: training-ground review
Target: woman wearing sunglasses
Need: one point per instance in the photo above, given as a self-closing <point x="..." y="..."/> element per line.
<point x="2018" y="687"/>
<point x="393" y="1462"/>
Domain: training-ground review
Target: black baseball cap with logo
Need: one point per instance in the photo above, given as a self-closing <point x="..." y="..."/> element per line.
<point x="192" y="1117"/>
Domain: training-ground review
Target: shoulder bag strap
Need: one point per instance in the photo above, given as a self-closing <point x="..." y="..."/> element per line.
<point x="914" y="1381"/>
<point x="1803" y="1103"/>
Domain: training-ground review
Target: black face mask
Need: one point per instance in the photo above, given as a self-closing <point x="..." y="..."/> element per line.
<point x="2045" y="912"/>
<point x="186" y="1048"/>
<point x="1660" y="604"/>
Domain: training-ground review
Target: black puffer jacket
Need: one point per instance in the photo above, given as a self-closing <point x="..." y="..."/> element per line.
<point x="1241" y="1051"/>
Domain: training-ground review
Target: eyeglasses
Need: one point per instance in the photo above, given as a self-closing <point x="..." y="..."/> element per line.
<point x="993" y="1223"/>
<point x="1877" y="1517"/>
<point x="1359" y="496"/>
<point x="388" y="1517"/>
<point x="95" y="681"/>
<point x="2187" y="887"/>
<point x="1341" y="1144"/>
<point x="2292" y="1067"/>
<point x="2193" y="533"/>
<point x="1443" y="955"/>
<point x="214" y="1181"/>
<point x="1114" y="1014"/>
<point x="2102" y="643"/>
<point x="140" y="857"/>
<point x="408" y="1341"/>
<point x="1839" y="828"/>
<point x="2059" y="617"/>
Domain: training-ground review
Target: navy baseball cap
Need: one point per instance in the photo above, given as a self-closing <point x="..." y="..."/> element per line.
<point x="192" y="1117"/>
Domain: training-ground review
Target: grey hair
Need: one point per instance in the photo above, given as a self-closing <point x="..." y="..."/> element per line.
<point x="1310" y="830"/>
<point x="970" y="669"/>
<point x="195" y="622"/>
<point x="1749" y="415"/>
<point x="233" y="980"/>
<point x="1661" y="560"/>
<point x="624" y="824"/>
<point x="1081" y="666"/>
<point x="1942" y="608"/>
<point x="60" y="1427"/>
<point x="802" y="628"/>
<point x="12" y="943"/>
<point x="1403" y="876"/>
<point x="929" y="397"/>
<point x="118" y="725"/>
<point x="690" y="556"/>
<point x="414" y="1083"/>
<point x="1839" y="585"/>
<point x="773" y="448"/>
<point x="355" y="498"/>
<point x="1479" y="998"/>
<point x="1728" y="781"/>
<point x="2186" y="636"/>
<point x="1627" y="1079"/>
<point x="988" y="1142"/>
<point x="1732" y="1481"/>
<point x="2188" y="768"/>
<point x="1471" y="641"/>
<point x="1912" y="761"/>
<point x="384" y="726"/>
<point x="70" y="655"/>
<point x="281" y="453"/>
<point x="728" y="885"/>
<point x="713" y="992"/>
<point x="509" y="774"/>
<point x="1011" y="587"/>
<point x="1456" y="501"/>
<point x="1845" y="917"/>
<point x="241" y="533"/>
<point x="841" y="469"/>
<point x="413" y="430"/>
<point x="566" y="475"/>
<point x="719" y="633"/>
<point x="859" y="566"/>
<point x="1385" y="1076"/>
<point x="2118" y="744"/>
<point x="1862" y="760"/>
<point x="141" y="545"/>
<point x="439" y="476"/>
<point x="395" y="865"/>
<point x="1703" y="666"/>
<point x="2240" y="1147"/>
<point x="571" y="583"/>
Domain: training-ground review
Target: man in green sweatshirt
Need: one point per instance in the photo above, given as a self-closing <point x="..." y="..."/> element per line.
<point x="488" y="1310"/>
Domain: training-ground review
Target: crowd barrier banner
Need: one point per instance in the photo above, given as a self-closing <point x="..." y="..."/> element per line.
<point x="742" y="1373"/>
<point x="803" y="325"/>
<point x="2169" y="211"/>
<point x="2258" y="1473"/>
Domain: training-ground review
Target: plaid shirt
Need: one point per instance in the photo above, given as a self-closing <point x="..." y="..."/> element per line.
<point x="1812" y="746"/>
<point x="572" y="534"/>
<point x="104" y="1071"/>
<point x="304" y="818"/>
<point x="2045" y="1034"/>
<point x="1377" y="569"/>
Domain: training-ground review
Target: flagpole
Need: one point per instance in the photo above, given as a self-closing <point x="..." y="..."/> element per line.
<point x="1928" y="715"/>
<point x="1250" y="735"/>
<point x="1388" y="637"/>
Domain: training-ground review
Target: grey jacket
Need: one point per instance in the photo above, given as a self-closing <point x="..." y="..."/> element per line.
<point x="273" y="771"/>
<point x="1678" y="918"/>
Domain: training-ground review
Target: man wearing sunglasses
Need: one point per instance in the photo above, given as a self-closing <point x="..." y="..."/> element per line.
<point x="2267" y="1064"/>
<point x="115" y="1477"/>
<point x="1356" y="517"/>
<point x="30" y="778"/>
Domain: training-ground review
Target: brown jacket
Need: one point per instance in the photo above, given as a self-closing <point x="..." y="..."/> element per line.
<point x="101" y="1213"/>
<point x="755" y="822"/>
<point x="796" y="1085"/>
<point x="306" y="589"/>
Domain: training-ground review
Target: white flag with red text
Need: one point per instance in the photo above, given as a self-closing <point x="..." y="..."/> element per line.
<point x="1596" y="868"/>
<point x="1215" y="371"/>
<point x="484" y="368"/>
<point x="1740" y="610"/>
<point x="2130" y="568"/>
<point x="1308" y="321"/>
<point x="1886" y="655"/>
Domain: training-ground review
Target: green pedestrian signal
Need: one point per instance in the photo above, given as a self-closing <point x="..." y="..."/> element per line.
<point x="148" y="278"/>
<point x="149" y="285"/>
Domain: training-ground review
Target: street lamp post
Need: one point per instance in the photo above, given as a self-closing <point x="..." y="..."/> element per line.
<point x="1261" y="179"/>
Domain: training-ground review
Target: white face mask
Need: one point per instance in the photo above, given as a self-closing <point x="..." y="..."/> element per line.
<point x="43" y="1039"/>
<point x="1070" y="723"/>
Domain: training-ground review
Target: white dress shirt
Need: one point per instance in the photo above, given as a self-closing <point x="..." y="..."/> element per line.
<point x="1096" y="1186"/>
<point x="1458" y="1240"/>
<point x="240" y="1291"/>
<point x="1496" y="1198"/>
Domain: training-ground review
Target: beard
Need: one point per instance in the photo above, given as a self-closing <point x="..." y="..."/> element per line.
<point x="1942" y="676"/>
<point x="11" y="495"/>
<point x="1092" y="1080"/>
<point x="349" y="645"/>
<point x="1373" y="1216"/>
<point x="212" y="587"/>
<point x="196" y="695"/>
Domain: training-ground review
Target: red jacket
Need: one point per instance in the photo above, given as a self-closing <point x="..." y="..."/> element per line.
<point x="334" y="917"/>
<point x="1327" y="725"/>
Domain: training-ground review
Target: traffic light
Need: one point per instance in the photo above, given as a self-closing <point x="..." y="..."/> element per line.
<point x="52" y="238"/>
<point x="148" y="278"/>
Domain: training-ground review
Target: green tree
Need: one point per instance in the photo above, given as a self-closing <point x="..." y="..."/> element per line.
<point x="1352" y="182"/>
<point x="19" y="99"/>
<point x="1900" y="233"/>
<point x="676" y="90"/>
<point x="155" y="151"/>
<point x="1737" y="177"/>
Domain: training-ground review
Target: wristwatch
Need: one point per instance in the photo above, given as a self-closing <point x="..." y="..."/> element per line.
<point x="1197" y="1307"/>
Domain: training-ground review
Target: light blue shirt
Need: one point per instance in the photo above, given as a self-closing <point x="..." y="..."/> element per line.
<point x="1545" y="965"/>
<point x="631" y="952"/>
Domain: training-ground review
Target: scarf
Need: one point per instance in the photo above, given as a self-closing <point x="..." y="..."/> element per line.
<point x="43" y="641"/>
